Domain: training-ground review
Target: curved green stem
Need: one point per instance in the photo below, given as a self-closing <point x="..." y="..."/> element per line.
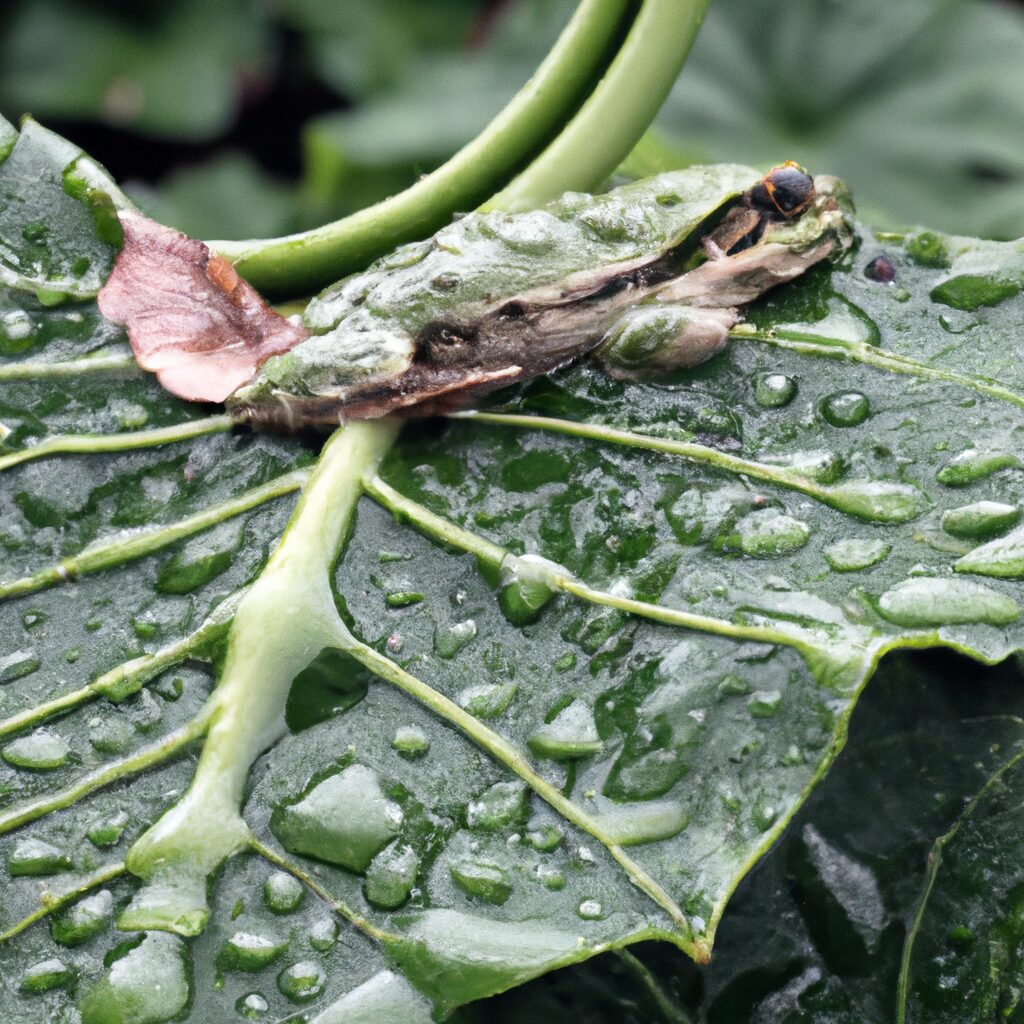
<point x="627" y="98"/>
<point x="126" y="547"/>
<point x="303" y="262"/>
<point x="52" y="902"/>
<point x="91" y="444"/>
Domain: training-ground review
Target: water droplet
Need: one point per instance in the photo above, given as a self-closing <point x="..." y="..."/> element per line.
<point x="487" y="700"/>
<point x="302" y="982"/>
<point x="503" y="804"/>
<point x="201" y="560"/>
<point x="877" y="501"/>
<point x="648" y="821"/>
<point x="169" y="688"/>
<point x="391" y="876"/>
<point x="881" y="269"/>
<point x="245" y="951"/>
<point x="856" y="553"/>
<point x="18" y="665"/>
<point x="970" y="291"/>
<point x="766" y="533"/>
<point x="282" y="892"/>
<point x="403" y="598"/>
<point x="545" y="838"/>
<point x="252" y="1006"/>
<point x="931" y="601"/>
<point x="651" y="774"/>
<point x="110" y="734"/>
<point x="846" y="408"/>
<point x="40" y="751"/>
<point x="733" y="686"/>
<point x="1002" y="558"/>
<point x="973" y="465"/>
<point x="774" y="390"/>
<point x="411" y="742"/>
<point x="345" y="819"/>
<point x="46" y="976"/>
<point x="980" y="520"/>
<point x="823" y="466"/>
<point x="85" y="919"/>
<point x="764" y="813"/>
<point x="323" y="935"/>
<point x="764" y="703"/>
<point x="147" y="982"/>
<point x="550" y="878"/>
<point x="451" y="639"/>
<point x="108" y="832"/>
<point x="928" y="250"/>
<point x="15" y="332"/>
<point x="571" y="733"/>
<point x="590" y="910"/>
<point x="482" y="879"/>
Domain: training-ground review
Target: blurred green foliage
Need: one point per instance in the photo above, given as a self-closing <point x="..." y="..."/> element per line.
<point x="919" y="104"/>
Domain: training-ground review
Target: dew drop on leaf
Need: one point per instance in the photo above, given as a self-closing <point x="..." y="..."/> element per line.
<point x="856" y="553"/>
<point x="973" y="465"/>
<point x="845" y="408"/>
<point x="980" y="520"/>
<point x="345" y="819"/>
<point x="482" y="879"/>
<point x="302" y="982"/>
<point x="411" y="742"/>
<point x="323" y="934"/>
<point x="391" y="876"/>
<point x="449" y="640"/>
<point x="774" y="390"/>
<point x="282" y="893"/>
<point x="18" y="665"/>
<point x="487" y="700"/>
<point x="590" y="910"/>
<point x="83" y="920"/>
<point x="252" y="1006"/>
<point x="571" y="734"/>
<point x="245" y="951"/>
<point x="932" y="601"/>
<point x="46" y="976"/>
<point x="40" y="751"/>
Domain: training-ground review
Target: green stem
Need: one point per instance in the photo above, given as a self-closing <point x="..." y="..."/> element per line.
<point x="117" y="364"/>
<point x="123" y="680"/>
<point x="126" y="547"/>
<point x="91" y="444"/>
<point x="406" y="510"/>
<point x="873" y="501"/>
<point x="505" y="753"/>
<point x="627" y="99"/>
<point x="147" y="757"/>
<point x="303" y="262"/>
<point x="286" y="618"/>
<point x="51" y="902"/>
<point x="871" y="355"/>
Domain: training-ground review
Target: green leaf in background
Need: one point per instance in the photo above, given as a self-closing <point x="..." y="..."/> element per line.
<point x="917" y="105"/>
<point x="563" y="704"/>
<point x="166" y="70"/>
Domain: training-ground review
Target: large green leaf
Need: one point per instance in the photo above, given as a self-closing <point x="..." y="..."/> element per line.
<point x="457" y="771"/>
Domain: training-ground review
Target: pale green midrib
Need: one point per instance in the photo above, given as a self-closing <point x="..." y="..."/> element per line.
<point x="339" y="906"/>
<point x="121" y="549"/>
<point x="113" y="771"/>
<point x="446" y="531"/>
<point x="934" y="864"/>
<point x="52" y="902"/>
<point x="141" y="669"/>
<point x="70" y="368"/>
<point x="509" y="756"/>
<point x="95" y="444"/>
<point x="871" y="355"/>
